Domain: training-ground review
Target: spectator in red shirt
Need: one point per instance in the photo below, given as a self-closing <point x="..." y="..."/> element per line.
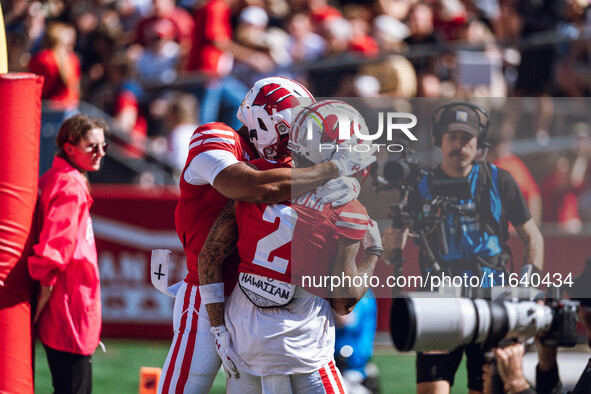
<point x="60" y="66"/>
<point x="213" y="48"/>
<point x="560" y="191"/>
<point x="213" y="54"/>
<point x="359" y="17"/>
<point x="502" y="156"/>
<point x="450" y="19"/>
<point x="68" y="314"/>
<point x="321" y="12"/>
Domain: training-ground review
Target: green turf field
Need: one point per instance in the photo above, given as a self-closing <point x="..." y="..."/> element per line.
<point x="117" y="371"/>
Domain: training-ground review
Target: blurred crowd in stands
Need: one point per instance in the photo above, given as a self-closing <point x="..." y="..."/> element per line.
<point x="160" y="67"/>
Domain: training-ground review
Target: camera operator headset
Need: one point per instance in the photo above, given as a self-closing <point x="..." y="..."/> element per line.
<point x="473" y="236"/>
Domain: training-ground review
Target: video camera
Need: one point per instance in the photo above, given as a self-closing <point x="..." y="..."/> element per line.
<point x="401" y="174"/>
<point x="406" y="173"/>
<point x="426" y="216"/>
<point x="428" y="321"/>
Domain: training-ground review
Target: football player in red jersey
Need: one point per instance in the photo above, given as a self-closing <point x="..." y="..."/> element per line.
<point x="276" y="336"/>
<point x="216" y="171"/>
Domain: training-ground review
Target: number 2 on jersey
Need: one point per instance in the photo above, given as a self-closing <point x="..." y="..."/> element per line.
<point x="283" y="235"/>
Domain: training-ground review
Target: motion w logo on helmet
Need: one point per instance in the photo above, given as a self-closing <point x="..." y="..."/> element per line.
<point x="274" y="98"/>
<point x="332" y="130"/>
<point x="334" y="122"/>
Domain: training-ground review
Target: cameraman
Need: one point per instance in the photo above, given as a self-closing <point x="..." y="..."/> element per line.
<point x="509" y="359"/>
<point x="476" y="232"/>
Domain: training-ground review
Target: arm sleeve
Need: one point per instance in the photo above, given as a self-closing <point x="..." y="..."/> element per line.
<point x="58" y="235"/>
<point x="516" y="210"/>
<point x="548" y="382"/>
<point x="207" y="165"/>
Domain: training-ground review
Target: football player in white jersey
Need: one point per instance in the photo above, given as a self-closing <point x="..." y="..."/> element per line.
<point x="276" y="336"/>
<point x="216" y="171"/>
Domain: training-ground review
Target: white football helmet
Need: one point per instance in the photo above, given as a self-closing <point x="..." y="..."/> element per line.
<point x="267" y="113"/>
<point x="315" y="132"/>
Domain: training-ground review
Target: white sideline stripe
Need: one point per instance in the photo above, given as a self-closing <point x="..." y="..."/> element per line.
<point x="353" y="215"/>
<point x="135" y="236"/>
<point x="207" y="132"/>
<point x="351" y="225"/>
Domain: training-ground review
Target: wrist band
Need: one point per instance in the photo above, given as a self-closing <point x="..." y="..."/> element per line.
<point x="211" y="294"/>
<point x="375" y="251"/>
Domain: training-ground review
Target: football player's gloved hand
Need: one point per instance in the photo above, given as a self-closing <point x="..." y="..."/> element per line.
<point x="372" y="242"/>
<point x="338" y="191"/>
<point x="221" y="346"/>
<point x="350" y="162"/>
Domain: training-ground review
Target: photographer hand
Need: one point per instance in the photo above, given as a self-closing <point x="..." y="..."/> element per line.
<point x="509" y="365"/>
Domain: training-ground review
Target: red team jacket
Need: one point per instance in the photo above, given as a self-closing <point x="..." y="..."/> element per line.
<point x="295" y="238"/>
<point x="65" y="257"/>
<point x="200" y="205"/>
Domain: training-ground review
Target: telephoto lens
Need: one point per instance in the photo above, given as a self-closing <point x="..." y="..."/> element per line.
<point x="438" y="323"/>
